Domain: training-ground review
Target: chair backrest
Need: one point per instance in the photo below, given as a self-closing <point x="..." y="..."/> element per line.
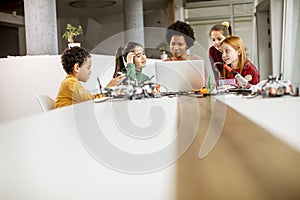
<point x="46" y="102"/>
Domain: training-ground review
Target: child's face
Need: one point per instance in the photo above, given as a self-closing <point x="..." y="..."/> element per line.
<point x="178" y="46"/>
<point x="217" y="37"/>
<point x="139" y="57"/>
<point x="229" y="54"/>
<point x="85" y="70"/>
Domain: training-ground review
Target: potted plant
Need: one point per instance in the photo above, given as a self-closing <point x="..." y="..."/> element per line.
<point x="71" y="33"/>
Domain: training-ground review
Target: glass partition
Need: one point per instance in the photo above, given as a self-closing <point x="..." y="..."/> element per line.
<point x="291" y="42"/>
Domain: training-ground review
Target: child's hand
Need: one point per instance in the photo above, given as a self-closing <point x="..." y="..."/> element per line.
<point x="130" y="57"/>
<point x="116" y="81"/>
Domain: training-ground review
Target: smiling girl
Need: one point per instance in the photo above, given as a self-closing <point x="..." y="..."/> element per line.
<point x="217" y="34"/>
<point x="130" y="60"/>
<point x="234" y="55"/>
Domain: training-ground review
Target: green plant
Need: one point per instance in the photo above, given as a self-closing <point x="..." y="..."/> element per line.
<point x="72" y="32"/>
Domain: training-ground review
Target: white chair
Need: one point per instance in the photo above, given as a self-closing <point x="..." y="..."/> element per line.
<point x="46" y="102"/>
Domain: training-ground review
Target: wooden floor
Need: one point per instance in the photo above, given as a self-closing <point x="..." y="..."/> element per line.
<point x="247" y="162"/>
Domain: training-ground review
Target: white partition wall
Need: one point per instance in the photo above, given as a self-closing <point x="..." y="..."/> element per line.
<point x="23" y="77"/>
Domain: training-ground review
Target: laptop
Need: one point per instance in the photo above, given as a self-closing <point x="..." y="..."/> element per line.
<point x="178" y="76"/>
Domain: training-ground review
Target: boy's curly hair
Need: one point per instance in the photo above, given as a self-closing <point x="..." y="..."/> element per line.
<point x="182" y="29"/>
<point x="73" y="55"/>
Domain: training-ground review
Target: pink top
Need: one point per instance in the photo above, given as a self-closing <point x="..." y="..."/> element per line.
<point x="191" y="57"/>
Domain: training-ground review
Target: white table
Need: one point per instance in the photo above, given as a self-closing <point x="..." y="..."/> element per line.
<point x="55" y="155"/>
<point x="278" y="115"/>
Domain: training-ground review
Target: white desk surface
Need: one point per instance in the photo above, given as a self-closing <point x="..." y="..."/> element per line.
<point x="43" y="157"/>
<point x="278" y="115"/>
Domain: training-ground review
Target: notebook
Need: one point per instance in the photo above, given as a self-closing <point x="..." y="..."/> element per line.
<point x="184" y="75"/>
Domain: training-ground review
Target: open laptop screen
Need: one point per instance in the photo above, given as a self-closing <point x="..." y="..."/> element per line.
<point x="184" y="75"/>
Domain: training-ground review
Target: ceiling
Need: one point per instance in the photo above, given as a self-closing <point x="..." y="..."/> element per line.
<point x="65" y="10"/>
<point x="8" y="6"/>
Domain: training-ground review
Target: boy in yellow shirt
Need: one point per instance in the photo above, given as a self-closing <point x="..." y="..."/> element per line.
<point x="77" y="64"/>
